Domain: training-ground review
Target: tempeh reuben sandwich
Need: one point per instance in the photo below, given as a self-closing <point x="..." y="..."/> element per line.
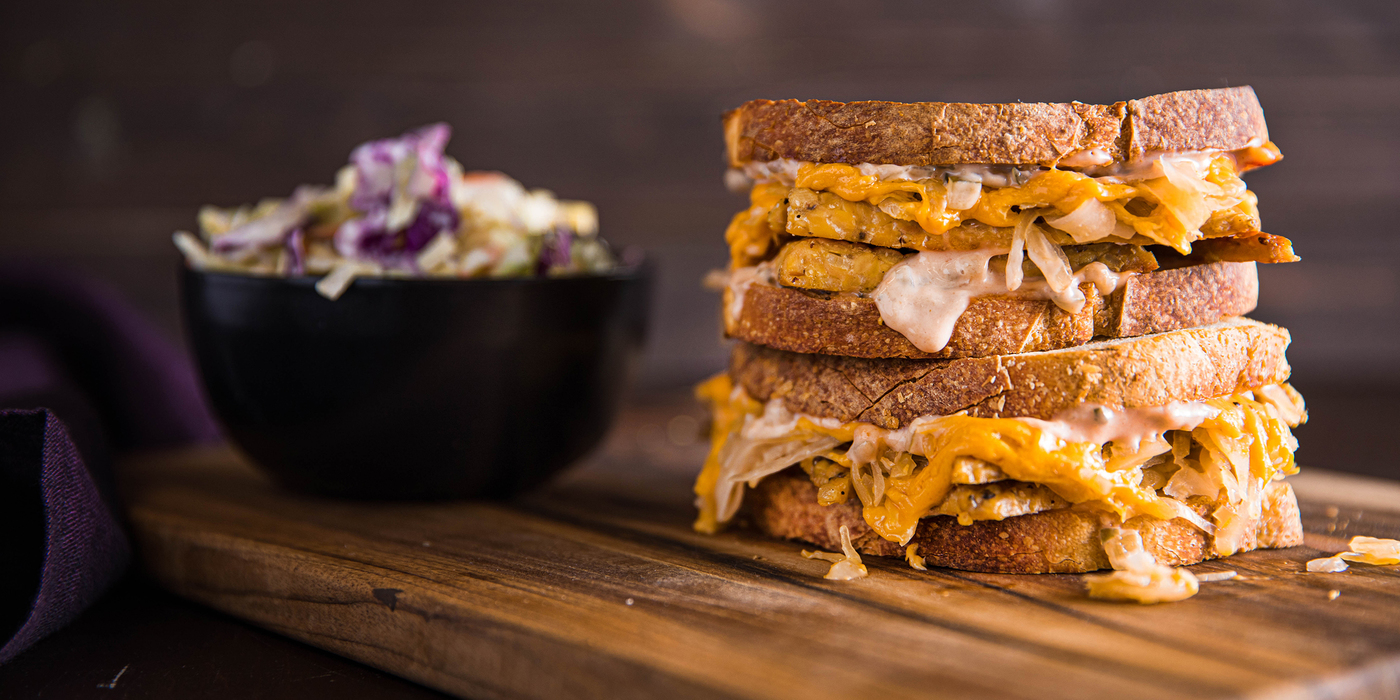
<point x="1005" y="338"/>
<point x="958" y="230"/>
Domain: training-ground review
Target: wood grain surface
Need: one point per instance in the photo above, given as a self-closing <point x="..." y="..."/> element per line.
<point x="597" y="587"/>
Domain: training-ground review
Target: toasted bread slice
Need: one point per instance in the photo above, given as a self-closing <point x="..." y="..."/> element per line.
<point x="952" y="133"/>
<point x="1055" y="541"/>
<point x="845" y="324"/>
<point x="1192" y="364"/>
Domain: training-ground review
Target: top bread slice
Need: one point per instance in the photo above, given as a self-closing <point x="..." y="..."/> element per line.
<point x="1192" y="364"/>
<point x="954" y="133"/>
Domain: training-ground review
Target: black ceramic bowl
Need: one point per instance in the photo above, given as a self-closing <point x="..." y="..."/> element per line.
<point x="410" y="388"/>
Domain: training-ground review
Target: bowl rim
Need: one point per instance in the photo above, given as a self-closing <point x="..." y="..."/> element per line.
<point x="622" y="273"/>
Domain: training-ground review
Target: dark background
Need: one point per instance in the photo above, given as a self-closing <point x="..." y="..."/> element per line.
<point x="119" y="119"/>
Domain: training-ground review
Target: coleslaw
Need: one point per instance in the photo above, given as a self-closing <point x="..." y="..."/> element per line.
<point x="401" y="208"/>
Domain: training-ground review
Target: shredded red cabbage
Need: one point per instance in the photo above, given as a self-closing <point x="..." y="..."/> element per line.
<point x="296" y="252"/>
<point x="391" y="175"/>
<point x="556" y="251"/>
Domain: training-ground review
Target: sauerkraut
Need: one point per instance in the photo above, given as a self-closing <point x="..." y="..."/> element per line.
<point x="1226" y="451"/>
<point x="1169" y="205"/>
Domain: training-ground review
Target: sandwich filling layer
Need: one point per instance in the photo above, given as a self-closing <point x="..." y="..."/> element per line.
<point x="923" y="241"/>
<point x="1186" y="199"/>
<point x="1166" y="462"/>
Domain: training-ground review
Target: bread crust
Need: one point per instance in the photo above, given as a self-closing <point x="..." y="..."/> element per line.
<point x="1055" y="541"/>
<point x="1191" y="364"/>
<point x="951" y="133"/>
<point x="1152" y="302"/>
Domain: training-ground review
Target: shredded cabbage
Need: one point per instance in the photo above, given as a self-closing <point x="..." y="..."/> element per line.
<point x="1014" y="272"/>
<point x="1373" y="550"/>
<point x="1168" y="209"/>
<point x="1228" y="451"/>
<point x="845" y="566"/>
<point x="963" y="194"/>
<point x="1326" y="565"/>
<point x="1092" y="221"/>
<point x="1054" y="264"/>
<point x="1217" y="576"/>
<point x="404" y="208"/>
<point x="744" y="460"/>
<point x="911" y="555"/>
<point x="1137" y="576"/>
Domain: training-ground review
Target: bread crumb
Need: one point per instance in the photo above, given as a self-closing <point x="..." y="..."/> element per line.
<point x="1332" y="594"/>
<point x="1331" y="511"/>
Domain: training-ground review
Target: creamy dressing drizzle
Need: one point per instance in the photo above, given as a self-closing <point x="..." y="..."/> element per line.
<point x="1123" y="426"/>
<point x="784" y="170"/>
<point x="1150" y="166"/>
<point x="924" y="295"/>
<point x="740" y="280"/>
<point x="1090" y="423"/>
<point x="777" y="421"/>
<point x="1092" y="162"/>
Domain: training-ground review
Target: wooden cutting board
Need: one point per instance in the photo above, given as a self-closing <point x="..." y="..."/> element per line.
<point x="598" y="587"/>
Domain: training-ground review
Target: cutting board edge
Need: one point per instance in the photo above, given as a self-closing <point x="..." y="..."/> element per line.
<point x="168" y="550"/>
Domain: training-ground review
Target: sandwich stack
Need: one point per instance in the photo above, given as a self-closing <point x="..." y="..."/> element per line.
<point x="1004" y="338"/>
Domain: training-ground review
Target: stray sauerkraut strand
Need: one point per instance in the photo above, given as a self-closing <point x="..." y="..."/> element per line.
<point x="844" y="567"/>
<point x="1373" y="550"/>
<point x="1138" y="577"/>
<point x="911" y="554"/>
<point x="1327" y="565"/>
<point x="333" y="285"/>
<point x="1216" y="576"/>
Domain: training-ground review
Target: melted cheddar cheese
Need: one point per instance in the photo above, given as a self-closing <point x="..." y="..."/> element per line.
<point x="1230" y="456"/>
<point x="1175" y="209"/>
<point x="756" y="233"/>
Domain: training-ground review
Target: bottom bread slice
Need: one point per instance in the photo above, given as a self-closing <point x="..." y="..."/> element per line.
<point x="1055" y="541"/>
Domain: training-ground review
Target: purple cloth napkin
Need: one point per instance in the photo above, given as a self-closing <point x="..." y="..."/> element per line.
<point x="82" y="549"/>
<point x="83" y="376"/>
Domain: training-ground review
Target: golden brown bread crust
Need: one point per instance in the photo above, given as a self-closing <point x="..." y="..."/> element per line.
<point x="1056" y="541"/>
<point x="950" y="133"/>
<point x="1192" y="364"/>
<point x="1151" y="302"/>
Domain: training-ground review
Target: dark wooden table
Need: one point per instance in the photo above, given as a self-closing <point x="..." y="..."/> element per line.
<point x="170" y="647"/>
<point x="165" y="647"/>
<point x="173" y="648"/>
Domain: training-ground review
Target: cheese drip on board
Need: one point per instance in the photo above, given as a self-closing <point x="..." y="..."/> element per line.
<point x="1226" y="449"/>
